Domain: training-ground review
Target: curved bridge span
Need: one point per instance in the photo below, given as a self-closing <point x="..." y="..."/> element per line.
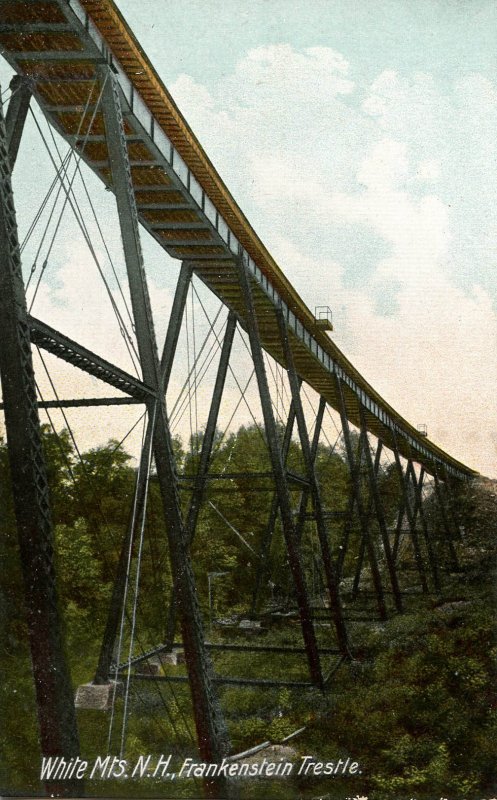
<point x="181" y="199"/>
<point x="80" y="62"/>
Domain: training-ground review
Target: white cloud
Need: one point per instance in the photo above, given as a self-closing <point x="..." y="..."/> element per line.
<point x="271" y="69"/>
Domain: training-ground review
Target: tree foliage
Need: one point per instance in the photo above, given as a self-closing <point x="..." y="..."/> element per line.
<point x="428" y="679"/>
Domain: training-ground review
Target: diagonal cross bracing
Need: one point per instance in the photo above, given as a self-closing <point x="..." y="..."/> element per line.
<point x="153" y="184"/>
<point x="68" y="350"/>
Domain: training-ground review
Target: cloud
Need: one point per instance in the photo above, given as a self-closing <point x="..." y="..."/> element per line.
<point x="428" y="171"/>
<point x="273" y="69"/>
<point x="277" y="100"/>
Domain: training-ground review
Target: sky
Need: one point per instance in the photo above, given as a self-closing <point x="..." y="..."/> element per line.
<point x="358" y="137"/>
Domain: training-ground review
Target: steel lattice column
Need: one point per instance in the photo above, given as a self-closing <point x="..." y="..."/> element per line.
<point x="418" y="508"/>
<point x="368" y="511"/>
<point x="347" y="527"/>
<point x="267" y="536"/>
<point x="314" y="449"/>
<point x="205" y="455"/>
<point x="54" y="694"/>
<point x="211" y="730"/>
<point x="454" y="564"/>
<point x="119" y="587"/>
<point x="16" y="114"/>
<point x="406" y="505"/>
<point x="452" y="500"/>
<point x="174" y="326"/>
<point x="210" y="429"/>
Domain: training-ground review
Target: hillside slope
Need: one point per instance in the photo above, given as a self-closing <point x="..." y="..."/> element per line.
<point x="417" y="709"/>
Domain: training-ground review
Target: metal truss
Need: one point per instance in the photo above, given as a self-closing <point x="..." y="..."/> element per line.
<point x="234" y="277"/>
<point x="309" y="454"/>
<point x="181" y="201"/>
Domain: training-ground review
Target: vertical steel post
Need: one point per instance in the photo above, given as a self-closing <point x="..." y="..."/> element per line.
<point x="210" y="429"/>
<point x="380" y="515"/>
<point x="368" y="510"/>
<point x="354" y="473"/>
<point x="451" y="499"/>
<point x="454" y="563"/>
<point x="273" y="444"/>
<point x="268" y="533"/>
<point x="349" y="518"/>
<point x="410" y="482"/>
<point x="347" y="530"/>
<point x="114" y="611"/>
<point x="205" y="457"/>
<point x="16" y="114"/>
<point x="362" y="549"/>
<point x="211" y="730"/>
<point x="174" y="326"/>
<point x="398" y="528"/>
<point x="314" y="449"/>
<point x="54" y="694"/>
<point x="309" y="458"/>
<point x="166" y="365"/>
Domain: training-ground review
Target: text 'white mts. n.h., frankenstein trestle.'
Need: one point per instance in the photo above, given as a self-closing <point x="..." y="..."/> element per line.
<point x="111" y="767"/>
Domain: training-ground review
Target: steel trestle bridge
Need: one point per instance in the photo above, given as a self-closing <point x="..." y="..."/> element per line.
<point x="80" y="62"/>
